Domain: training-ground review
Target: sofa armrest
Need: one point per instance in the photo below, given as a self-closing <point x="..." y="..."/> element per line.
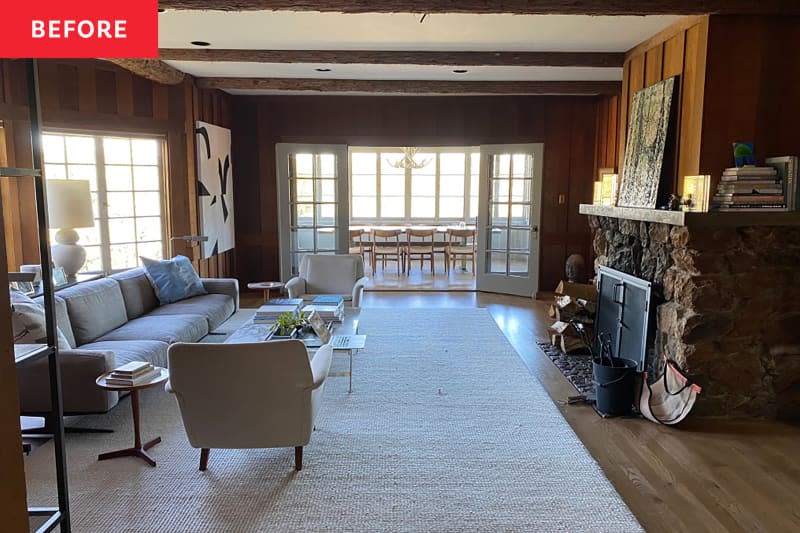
<point x="358" y="291"/>
<point x="296" y="287"/>
<point x="229" y="286"/>
<point x="320" y="365"/>
<point x="79" y="370"/>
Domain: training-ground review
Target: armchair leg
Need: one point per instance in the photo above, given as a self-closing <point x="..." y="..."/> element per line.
<point x="204" y="458"/>
<point x="298" y="458"/>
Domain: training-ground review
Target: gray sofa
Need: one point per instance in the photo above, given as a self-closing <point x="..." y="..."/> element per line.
<point x="111" y="321"/>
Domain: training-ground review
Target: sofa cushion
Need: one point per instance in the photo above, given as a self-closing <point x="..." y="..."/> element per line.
<point x="95" y="308"/>
<point x="215" y="307"/>
<point x="28" y="325"/>
<point x="126" y="351"/>
<point x="173" y="279"/>
<point x="169" y="329"/>
<point x="62" y="318"/>
<point x="138" y="293"/>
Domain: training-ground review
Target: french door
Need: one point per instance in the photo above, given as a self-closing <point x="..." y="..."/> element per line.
<point x="312" y="202"/>
<point x="508" y="218"/>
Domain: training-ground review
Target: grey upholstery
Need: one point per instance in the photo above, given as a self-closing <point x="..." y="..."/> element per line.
<point x="341" y="275"/>
<point x="254" y="395"/>
<point x="94" y="308"/>
<point x="215" y="308"/>
<point x="175" y="328"/>
<point x="139" y="296"/>
<point x="94" y="317"/>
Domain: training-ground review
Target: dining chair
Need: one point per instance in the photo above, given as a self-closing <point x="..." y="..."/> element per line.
<point x="460" y="243"/>
<point x="420" y="244"/>
<point x="386" y="247"/>
<point x="357" y="244"/>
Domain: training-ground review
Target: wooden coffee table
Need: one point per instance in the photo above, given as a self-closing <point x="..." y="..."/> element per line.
<point x="138" y="449"/>
<point x="265" y="286"/>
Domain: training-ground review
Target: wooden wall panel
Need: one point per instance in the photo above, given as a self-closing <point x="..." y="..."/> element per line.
<point x="261" y="122"/>
<point x="653" y="63"/>
<point x="693" y="83"/>
<point x="98" y="97"/>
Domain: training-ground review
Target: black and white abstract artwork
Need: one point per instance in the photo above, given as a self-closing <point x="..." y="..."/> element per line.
<point x="644" y="150"/>
<point x="214" y="187"/>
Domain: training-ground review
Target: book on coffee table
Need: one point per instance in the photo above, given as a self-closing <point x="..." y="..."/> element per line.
<point x="132" y="369"/>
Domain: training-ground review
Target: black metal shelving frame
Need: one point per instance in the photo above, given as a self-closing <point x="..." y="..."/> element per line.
<point x="55" y="516"/>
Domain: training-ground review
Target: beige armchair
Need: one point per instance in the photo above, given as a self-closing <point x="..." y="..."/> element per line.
<point x="329" y="274"/>
<point x="254" y="395"/>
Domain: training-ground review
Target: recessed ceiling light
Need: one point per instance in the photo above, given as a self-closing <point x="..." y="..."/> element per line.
<point x="460" y="70"/>
<point x="201" y="43"/>
<point x="322" y="69"/>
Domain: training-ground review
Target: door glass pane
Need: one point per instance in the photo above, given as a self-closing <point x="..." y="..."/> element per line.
<point x="304" y="190"/>
<point x="522" y="165"/>
<point x="518" y="264"/>
<point x="501" y="165"/>
<point x="303" y="166"/>
<point x="496" y="261"/>
<point x="520" y="190"/>
<point x="303" y="239"/>
<point x="496" y="239"/>
<point x="500" y="190"/>
<point x="304" y="215"/>
<point x="499" y="214"/>
<point x="326" y="214"/>
<point x="521" y="215"/>
<point x="519" y="239"/>
<point x="326" y="239"/>
<point x="326" y="190"/>
<point x="327" y="166"/>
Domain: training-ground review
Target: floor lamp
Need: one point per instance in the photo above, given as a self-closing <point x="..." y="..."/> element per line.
<point x="69" y="206"/>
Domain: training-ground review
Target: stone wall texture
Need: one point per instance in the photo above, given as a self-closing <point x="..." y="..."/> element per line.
<point x="728" y="311"/>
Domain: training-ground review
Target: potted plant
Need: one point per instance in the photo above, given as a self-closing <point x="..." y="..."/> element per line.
<point x="288" y="325"/>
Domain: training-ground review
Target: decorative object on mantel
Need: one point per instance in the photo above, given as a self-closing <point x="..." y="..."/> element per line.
<point x="597" y="193"/>
<point x="750" y="189"/>
<point x="69" y="206"/>
<point x="744" y="154"/>
<point x="214" y="187"/>
<point x="647" y="139"/>
<point x="696" y="194"/>
<point x="787" y="168"/>
<point x="609" y="180"/>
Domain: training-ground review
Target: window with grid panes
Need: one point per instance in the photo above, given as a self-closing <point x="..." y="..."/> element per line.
<point x="125" y="178"/>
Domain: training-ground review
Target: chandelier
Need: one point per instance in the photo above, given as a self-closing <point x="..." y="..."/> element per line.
<point x="408" y="160"/>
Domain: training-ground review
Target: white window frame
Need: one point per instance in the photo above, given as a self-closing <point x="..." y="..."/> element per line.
<point x="381" y="153"/>
<point x="102" y="191"/>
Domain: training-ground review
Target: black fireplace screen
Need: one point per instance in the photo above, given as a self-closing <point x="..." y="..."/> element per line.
<point x="623" y="315"/>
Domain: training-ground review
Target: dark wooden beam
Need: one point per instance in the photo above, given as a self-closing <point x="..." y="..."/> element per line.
<point x="519" y="7"/>
<point x="370" y="57"/>
<point x="152" y="69"/>
<point x="413" y="86"/>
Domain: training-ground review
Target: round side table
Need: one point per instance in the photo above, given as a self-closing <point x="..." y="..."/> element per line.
<point x="138" y="449"/>
<point x="265" y="286"/>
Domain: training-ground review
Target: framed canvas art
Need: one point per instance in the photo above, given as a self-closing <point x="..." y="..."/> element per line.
<point x="648" y="133"/>
<point x="214" y="187"/>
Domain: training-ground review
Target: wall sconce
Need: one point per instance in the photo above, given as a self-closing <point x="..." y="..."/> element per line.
<point x="696" y="197"/>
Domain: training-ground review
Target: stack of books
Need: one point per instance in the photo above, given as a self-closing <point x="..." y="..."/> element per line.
<point x="750" y="189"/>
<point x="133" y="374"/>
<point x="787" y="168"/>
<point x="270" y="311"/>
<point x="328" y="307"/>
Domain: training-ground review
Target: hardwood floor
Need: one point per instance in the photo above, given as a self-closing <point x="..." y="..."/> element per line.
<point x="705" y="475"/>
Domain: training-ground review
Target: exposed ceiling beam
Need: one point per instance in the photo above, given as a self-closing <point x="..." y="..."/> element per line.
<point x="526" y="7"/>
<point x="152" y="69"/>
<point x="370" y="57"/>
<point x="413" y="86"/>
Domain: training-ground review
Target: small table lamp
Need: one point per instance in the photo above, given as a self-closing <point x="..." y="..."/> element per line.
<point x="69" y="206"/>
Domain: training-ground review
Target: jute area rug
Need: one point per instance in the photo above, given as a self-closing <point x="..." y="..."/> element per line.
<point x="445" y="431"/>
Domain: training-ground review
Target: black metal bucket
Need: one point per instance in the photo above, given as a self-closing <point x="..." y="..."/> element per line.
<point x="614" y="385"/>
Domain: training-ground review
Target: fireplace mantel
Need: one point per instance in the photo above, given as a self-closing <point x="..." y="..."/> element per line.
<point x="682" y="218"/>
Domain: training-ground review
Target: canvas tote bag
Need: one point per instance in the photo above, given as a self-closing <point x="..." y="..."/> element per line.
<point x="668" y="400"/>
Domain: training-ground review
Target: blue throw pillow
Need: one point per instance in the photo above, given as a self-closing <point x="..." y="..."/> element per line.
<point x="173" y="279"/>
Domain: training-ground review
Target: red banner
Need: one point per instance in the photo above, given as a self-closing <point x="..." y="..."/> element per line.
<point x="79" y="28"/>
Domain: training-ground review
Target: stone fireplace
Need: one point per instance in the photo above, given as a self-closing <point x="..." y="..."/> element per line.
<point x="727" y="290"/>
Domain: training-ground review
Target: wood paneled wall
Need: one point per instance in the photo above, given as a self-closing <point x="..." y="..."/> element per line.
<point x="566" y="125"/>
<point x="679" y="50"/>
<point x="94" y="96"/>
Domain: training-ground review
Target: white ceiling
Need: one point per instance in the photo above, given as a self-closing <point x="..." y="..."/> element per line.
<point x="403" y="31"/>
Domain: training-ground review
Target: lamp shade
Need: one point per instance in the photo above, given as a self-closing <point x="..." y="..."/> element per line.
<point x="69" y="204"/>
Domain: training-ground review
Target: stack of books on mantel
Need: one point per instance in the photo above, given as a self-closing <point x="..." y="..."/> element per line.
<point x="133" y="374"/>
<point x="328" y="307"/>
<point x="270" y="311"/>
<point x="750" y="189"/>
